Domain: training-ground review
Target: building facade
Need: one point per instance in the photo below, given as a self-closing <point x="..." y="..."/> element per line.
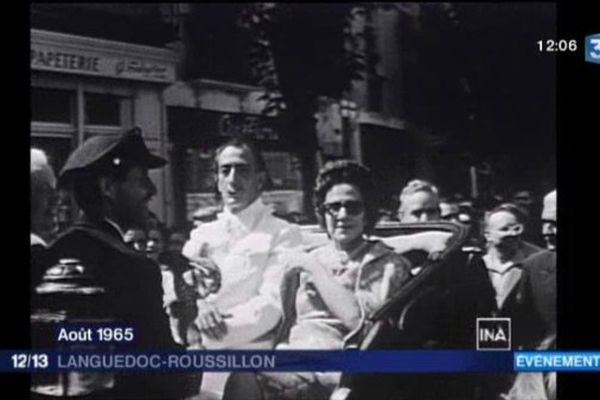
<point x="178" y="85"/>
<point x="83" y="86"/>
<point x="380" y="136"/>
<point x="182" y="75"/>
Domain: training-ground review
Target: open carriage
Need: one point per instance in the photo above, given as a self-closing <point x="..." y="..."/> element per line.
<point x="436" y="309"/>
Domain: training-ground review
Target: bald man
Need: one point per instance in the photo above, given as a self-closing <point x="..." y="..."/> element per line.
<point x="43" y="208"/>
<point x="549" y="229"/>
<point x="540" y="270"/>
<point x="541" y="267"/>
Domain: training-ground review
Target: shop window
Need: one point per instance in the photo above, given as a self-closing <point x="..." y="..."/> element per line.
<point x="102" y="109"/>
<point x="281" y="171"/>
<point x="200" y="171"/>
<point x="52" y="105"/>
<point x="278" y="166"/>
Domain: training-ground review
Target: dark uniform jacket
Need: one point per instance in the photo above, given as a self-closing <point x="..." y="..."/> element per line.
<point x="540" y="270"/>
<point x="133" y="297"/>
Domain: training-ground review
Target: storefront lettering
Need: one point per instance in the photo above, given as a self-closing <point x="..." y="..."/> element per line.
<point x="141" y="68"/>
<point x="61" y="60"/>
<point x="48" y="58"/>
<point x="246" y="125"/>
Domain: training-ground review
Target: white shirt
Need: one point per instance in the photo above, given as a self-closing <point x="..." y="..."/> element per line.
<point x="504" y="276"/>
<point x="246" y="247"/>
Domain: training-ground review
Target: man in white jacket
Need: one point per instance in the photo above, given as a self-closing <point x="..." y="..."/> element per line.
<point x="245" y="244"/>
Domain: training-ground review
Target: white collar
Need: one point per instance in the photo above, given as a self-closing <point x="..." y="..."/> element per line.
<point x="494" y="264"/>
<point x="35" y="239"/>
<point x="248" y="216"/>
<point x="116" y="226"/>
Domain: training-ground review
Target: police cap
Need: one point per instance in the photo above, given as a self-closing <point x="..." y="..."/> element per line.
<point x="104" y="153"/>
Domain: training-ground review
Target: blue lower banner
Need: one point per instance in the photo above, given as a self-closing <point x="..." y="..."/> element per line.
<point x="411" y="361"/>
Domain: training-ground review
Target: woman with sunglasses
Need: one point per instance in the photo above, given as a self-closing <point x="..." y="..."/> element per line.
<point x="339" y="284"/>
<point x="344" y="281"/>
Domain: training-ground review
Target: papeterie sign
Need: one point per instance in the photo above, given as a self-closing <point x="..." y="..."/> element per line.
<point x="125" y="61"/>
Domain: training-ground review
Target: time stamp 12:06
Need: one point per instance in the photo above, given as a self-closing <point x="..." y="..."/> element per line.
<point x="557" y="45"/>
<point x="592" y="47"/>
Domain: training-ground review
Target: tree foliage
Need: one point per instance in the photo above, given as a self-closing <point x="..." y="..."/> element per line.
<point x="300" y="52"/>
<point x="473" y="75"/>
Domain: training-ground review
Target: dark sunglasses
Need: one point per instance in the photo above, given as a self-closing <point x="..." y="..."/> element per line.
<point x="352" y="207"/>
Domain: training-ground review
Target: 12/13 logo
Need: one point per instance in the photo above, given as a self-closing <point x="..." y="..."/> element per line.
<point x="493" y="334"/>
<point x="592" y="48"/>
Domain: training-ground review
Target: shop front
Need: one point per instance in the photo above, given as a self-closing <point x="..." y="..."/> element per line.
<point x="82" y="87"/>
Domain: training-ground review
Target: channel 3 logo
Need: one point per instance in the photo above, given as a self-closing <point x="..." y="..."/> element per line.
<point x="592" y="48"/>
<point x="493" y="333"/>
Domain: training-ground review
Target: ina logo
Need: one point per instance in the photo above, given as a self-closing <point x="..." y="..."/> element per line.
<point x="493" y="333"/>
<point x="592" y="48"/>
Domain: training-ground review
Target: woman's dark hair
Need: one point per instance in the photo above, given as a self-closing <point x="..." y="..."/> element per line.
<point x="353" y="173"/>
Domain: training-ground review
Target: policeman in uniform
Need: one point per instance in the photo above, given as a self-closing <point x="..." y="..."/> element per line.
<point x="108" y="176"/>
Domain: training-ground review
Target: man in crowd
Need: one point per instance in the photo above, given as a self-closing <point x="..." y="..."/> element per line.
<point x="541" y="268"/>
<point x="449" y="211"/>
<point x="494" y="285"/>
<point x="43" y="209"/>
<point x="108" y="176"/>
<point x="504" y="263"/>
<point x="176" y="241"/>
<point x="419" y="202"/>
<point x="549" y="228"/>
<point x="157" y="241"/>
<point x="136" y="239"/>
